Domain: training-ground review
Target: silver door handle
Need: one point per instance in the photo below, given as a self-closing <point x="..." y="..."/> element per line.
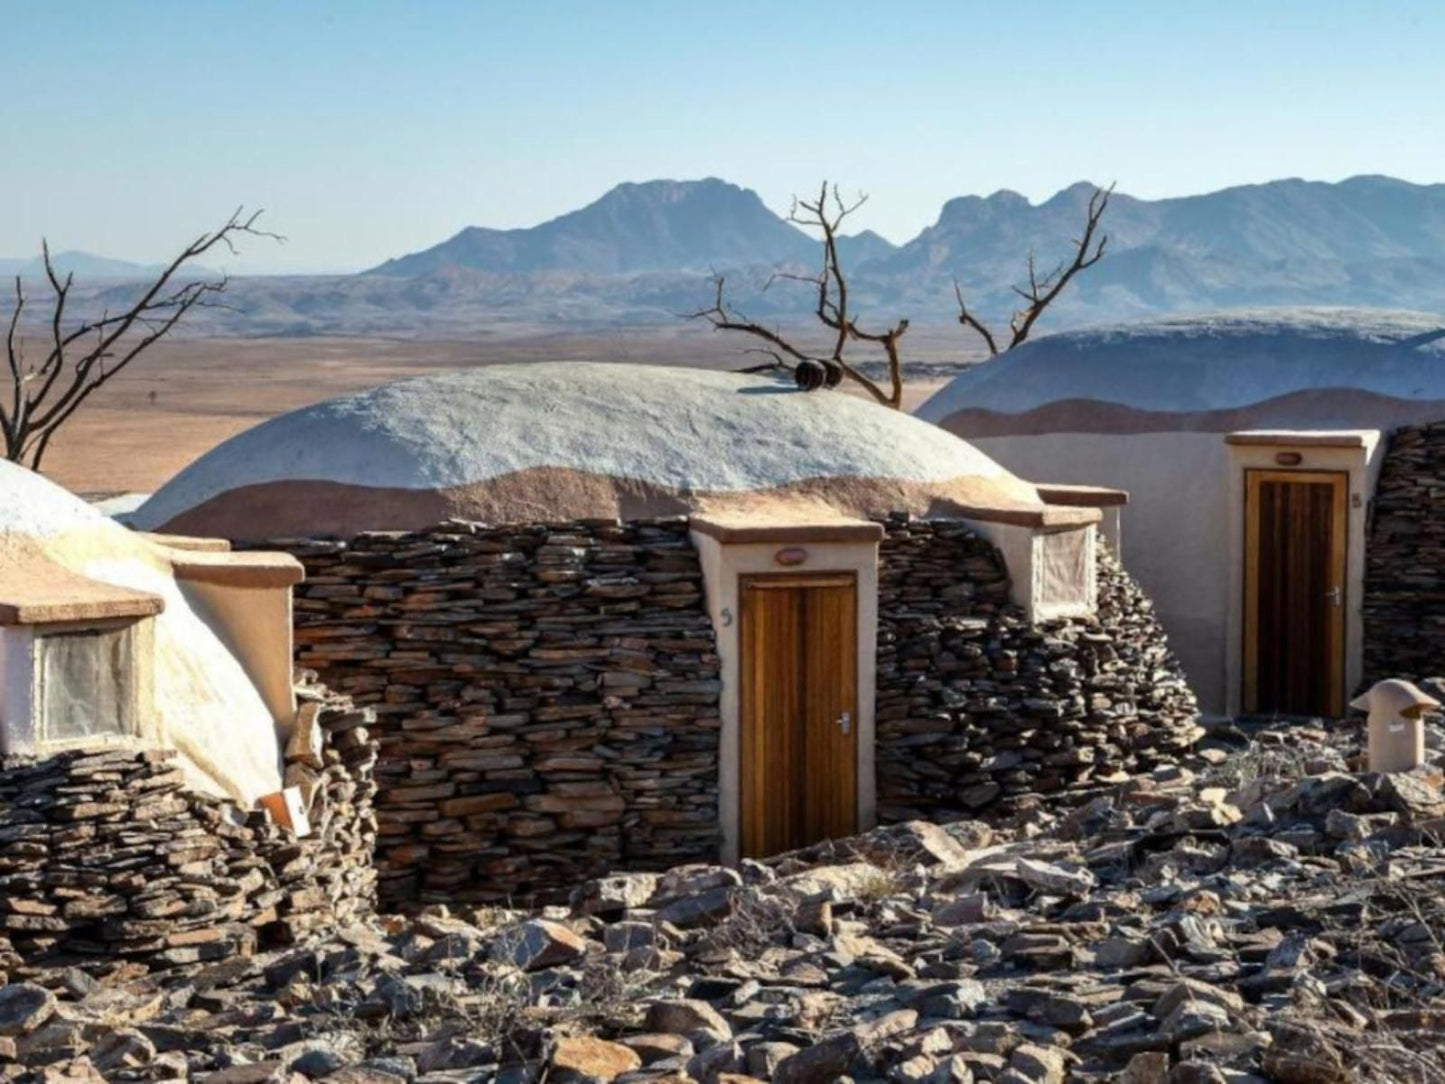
<point x="1334" y="594"/>
<point x="845" y="721"/>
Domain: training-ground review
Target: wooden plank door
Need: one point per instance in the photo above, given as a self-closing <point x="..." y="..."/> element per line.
<point x="798" y="709"/>
<point x="1294" y="592"/>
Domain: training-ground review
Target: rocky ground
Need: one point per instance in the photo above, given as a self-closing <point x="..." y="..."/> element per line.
<point x="1261" y="912"/>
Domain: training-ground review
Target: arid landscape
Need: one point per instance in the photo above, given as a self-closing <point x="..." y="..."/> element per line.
<point x="191" y="394"/>
<point x="656" y="544"/>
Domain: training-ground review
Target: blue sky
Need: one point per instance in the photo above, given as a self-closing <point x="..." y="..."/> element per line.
<point x="370" y="129"/>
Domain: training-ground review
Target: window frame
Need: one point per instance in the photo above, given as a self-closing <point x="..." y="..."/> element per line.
<point x="129" y="692"/>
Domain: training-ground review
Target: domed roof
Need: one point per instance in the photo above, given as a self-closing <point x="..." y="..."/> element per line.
<point x="63" y="561"/>
<point x="1322" y="367"/>
<point x="35" y="507"/>
<point x="565" y="440"/>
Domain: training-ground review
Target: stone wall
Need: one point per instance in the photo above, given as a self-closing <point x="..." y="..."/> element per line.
<point x="1404" y="600"/>
<point x="978" y="708"/>
<point x="547" y="694"/>
<point x="547" y="698"/>
<point x="110" y="863"/>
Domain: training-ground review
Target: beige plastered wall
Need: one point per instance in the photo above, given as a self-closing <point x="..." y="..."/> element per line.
<point x="722" y="565"/>
<point x="255" y="625"/>
<point x="1362" y="465"/>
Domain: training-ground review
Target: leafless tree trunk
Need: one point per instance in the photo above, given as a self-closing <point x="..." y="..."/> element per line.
<point x="811" y="370"/>
<point x="82" y="356"/>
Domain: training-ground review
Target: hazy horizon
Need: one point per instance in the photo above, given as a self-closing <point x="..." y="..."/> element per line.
<point x="372" y="131"/>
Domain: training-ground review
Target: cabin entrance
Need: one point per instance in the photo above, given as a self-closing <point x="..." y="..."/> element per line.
<point x="1294" y="592"/>
<point x="798" y="755"/>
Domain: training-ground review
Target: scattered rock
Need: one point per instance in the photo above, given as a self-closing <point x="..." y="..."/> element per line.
<point x="586" y="1060"/>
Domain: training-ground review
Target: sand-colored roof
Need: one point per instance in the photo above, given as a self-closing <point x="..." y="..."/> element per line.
<point x="1320" y="368"/>
<point x="564" y="440"/>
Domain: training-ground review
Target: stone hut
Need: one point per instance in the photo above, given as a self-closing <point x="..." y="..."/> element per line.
<point x="618" y="615"/>
<point x="1285" y="470"/>
<point x="168" y="794"/>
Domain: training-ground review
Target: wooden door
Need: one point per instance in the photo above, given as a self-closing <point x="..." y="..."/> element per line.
<point x="798" y="707"/>
<point x="1294" y="592"/>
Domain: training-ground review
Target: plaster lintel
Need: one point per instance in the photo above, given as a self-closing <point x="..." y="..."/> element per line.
<point x="737" y="531"/>
<point x="1083" y="496"/>
<point x="1304" y="438"/>
<point x="255" y="569"/>
<point x="187" y="542"/>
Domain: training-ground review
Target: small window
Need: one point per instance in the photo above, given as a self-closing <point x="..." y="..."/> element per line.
<point x="85" y="685"/>
<point x="1064" y="574"/>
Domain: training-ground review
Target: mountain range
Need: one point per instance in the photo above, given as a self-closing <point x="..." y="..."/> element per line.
<point x="80" y="264"/>
<point x="645" y="252"/>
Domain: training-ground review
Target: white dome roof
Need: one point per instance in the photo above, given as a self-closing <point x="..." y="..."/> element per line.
<point x="34" y="507"/>
<point x="555" y="440"/>
<point x="1214" y="362"/>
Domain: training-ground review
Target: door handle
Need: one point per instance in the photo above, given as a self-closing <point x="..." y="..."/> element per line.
<point x="1335" y="595"/>
<point x="845" y="723"/>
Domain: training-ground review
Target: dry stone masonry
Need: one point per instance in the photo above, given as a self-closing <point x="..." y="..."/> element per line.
<point x="1404" y="604"/>
<point x="110" y="864"/>
<point x="978" y="708"/>
<point x="546" y="694"/>
<point x="1261" y="913"/>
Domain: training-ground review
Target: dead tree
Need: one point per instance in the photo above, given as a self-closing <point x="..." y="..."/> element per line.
<point x="81" y="356"/>
<point x="812" y="369"/>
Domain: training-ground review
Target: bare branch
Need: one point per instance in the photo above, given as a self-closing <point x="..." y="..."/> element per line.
<point x="1041" y="291"/>
<point x="1087" y="252"/>
<point x="45" y="398"/>
<point x="14" y="416"/>
<point x="967" y="319"/>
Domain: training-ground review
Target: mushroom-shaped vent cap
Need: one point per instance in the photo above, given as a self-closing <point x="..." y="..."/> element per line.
<point x="1393" y="696"/>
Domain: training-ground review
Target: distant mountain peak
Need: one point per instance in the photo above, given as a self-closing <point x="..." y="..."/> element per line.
<point x="633" y="227"/>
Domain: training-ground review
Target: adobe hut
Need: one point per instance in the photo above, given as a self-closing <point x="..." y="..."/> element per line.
<point x="1284" y="469"/>
<point x="164" y="798"/>
<point x="629" y="615"/>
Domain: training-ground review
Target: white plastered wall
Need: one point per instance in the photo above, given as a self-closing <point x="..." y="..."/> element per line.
<point x="1111" y="529"/>
<point x="1180" y="522"/>
<point x="1177" y="523"/>
<point x="722" y="565"/>
<point x="207" y="706"/>
<point x="1362" y="465"/>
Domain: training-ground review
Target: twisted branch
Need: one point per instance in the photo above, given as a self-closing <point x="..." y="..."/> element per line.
<point x="1041" y="291"/>
<point x="82" y="358"/>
